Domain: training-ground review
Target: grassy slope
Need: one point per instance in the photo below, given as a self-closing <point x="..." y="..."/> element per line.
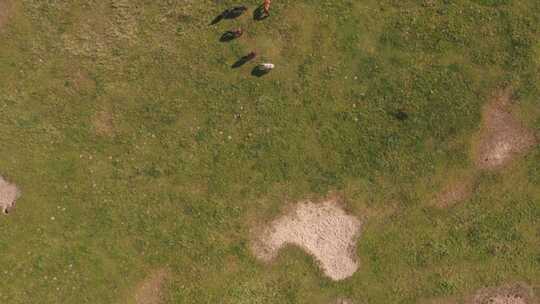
<point x="161" y="184"/>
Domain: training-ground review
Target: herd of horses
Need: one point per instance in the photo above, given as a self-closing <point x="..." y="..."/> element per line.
<point x="262" y="12"/>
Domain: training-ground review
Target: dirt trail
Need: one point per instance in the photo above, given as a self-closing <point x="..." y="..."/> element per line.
<point x="502" y="136"/>
<point x="150" y="290"/>
<point x="8" y="195"/>
<point x="323" y="230"/>
<point x="4" y="12"/>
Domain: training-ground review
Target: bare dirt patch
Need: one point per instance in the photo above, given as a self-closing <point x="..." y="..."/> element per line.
<point x="104" y="123"/>
<point x="501" y="137"/>
<point x="4" y="12"/>
<point x="150" y="290"/>
<point x="342" y="301"/>
<point x="82" y="82"/>
<point x="509" y="294"/>
<point x="455" y="192"/>
<point x="323" y="230"/>
<point x="8" y="195"/>
<point x="517" y="293"/>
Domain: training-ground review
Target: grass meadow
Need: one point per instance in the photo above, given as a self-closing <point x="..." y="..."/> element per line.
<point x="137" y="147"/>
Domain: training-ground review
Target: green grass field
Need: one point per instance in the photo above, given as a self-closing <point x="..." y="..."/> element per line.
<point x="136" y="147"/>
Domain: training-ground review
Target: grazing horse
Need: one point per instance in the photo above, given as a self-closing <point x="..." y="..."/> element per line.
<point x="231" y="35"/>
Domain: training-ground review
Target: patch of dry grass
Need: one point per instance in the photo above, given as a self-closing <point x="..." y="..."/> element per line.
<point x="455" y="191"/>
<point x="150" y="290"/>
<point x="501" y="139"/>
<point x="518" y="293"/>
<point x="103" y="122"/>
<point x="4" y="12"/>
<point x="502" y="136"/>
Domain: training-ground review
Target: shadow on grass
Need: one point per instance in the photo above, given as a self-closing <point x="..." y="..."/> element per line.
<point x="259" y="14"/>
<point x="227" y="36"/>
<point x="400" y="115"/>
<point x="258" y="72"/>
<point x="217" y="19"/>
<point x="230" y="13"/>
<point x="239" y="63"/>
<point x="245" y="59"/>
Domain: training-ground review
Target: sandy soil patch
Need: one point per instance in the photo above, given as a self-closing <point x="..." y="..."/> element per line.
<point x="342" y="301"/>
<point x="510" y="294"/>
<point x="502" y="137"/>
<point x="8" y="195"/>
<point x="323" y="230"/>
<point x="150" y="290"/>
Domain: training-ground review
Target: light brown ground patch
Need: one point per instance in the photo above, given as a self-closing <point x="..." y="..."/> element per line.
<point x="342" y="301"/>
<point x="98" y="30"/>
<point x="5" y="9"/>
<point x="82" y="82"/>
<point x="502" y="136"/>
<point x="517" y="293"/>
<point x="509" y="294"/>
<point x="323" y="230"/>
<point x="150" y="290"/>
<point x="455" y="191"/>
<point x="8" y="195"/>
<point x="103" y="122"/>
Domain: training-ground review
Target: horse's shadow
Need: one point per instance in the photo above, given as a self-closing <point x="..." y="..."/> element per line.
<point x="217" y="19"/>
<point x="227" y="36"/>
<point x="240" y="62"/>
<point x="229" y="14"/>
<point x="258" y="72"/>
<point x="259" y="14"/>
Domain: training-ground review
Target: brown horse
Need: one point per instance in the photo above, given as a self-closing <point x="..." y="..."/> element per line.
<point x="266" y="6"/>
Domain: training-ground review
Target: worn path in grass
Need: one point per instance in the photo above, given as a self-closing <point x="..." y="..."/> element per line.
<point x="5" y="10"/>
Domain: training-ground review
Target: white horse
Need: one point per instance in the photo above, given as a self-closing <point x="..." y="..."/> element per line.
<point x="266" y="66"/>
